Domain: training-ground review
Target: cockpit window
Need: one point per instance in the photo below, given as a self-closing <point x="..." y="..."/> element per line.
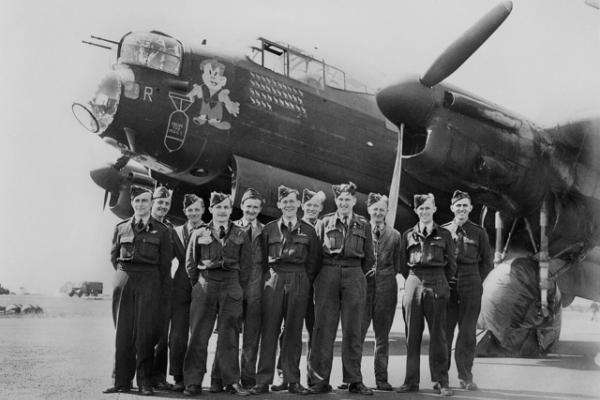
<point x="306" y="70"/>
<point x="152" y="50"/>
<point x="292" y="62"/>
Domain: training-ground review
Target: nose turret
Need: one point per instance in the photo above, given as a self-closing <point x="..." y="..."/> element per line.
<point x="98" y="113"/>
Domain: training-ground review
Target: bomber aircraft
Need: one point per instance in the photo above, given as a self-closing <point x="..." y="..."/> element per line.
<point x="198" y="119"/>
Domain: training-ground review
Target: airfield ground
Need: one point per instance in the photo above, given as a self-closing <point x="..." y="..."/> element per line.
<point x="67" y="354"/>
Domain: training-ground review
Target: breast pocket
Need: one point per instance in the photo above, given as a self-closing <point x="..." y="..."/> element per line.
<point x="126" y="247"/>
<point x="356" y="242"/>
<point x="209" y="251"/>
<point x="435" y="251"/>
<point x="297" y="248"/>
<point x="232" y="247"/>
<point x="333" y="240"/>
<point x="274" y="249"/>
<point x="470" y="249"/>
<point x="415" y="253"/>
<point x="150" y="248"/>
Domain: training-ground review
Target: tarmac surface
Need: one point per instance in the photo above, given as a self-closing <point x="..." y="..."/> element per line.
<point x="68" y="354"/>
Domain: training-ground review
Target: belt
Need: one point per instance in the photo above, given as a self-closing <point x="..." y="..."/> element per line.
<point x="426" y="270"/>
<point x="288" y="267"/>
<point x="216" y="273"/>
<point x="385" y="272"/>
<point x="342" y="262"/>
<point x="137" y="267"/>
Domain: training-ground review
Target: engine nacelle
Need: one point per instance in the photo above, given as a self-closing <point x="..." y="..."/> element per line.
<point x="118" y="182"/>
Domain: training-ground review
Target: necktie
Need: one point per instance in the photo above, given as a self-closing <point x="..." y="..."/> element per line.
<point x="139" y="226"/>
<point x="460" y="235"/>
<point x="425" y="233"/>
<point x="289" y="226"/>
<point x="250" y="231"/>
<point x="377" y="233"/>
<point x="221" y="232"/>
<point x="186" y="235"/>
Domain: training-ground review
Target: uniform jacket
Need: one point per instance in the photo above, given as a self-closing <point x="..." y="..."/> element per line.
<point x="300" y="248"/>
<point x="472" y="246"/>
<point x="352" y="246"/>
<point x="435" y="250"/>
<point x="235" y="253"/>
<point x="139" y="251"/>
<point x="181" y="239"/>
<point x="316" y="226"/>
<point x="256" y="240"/>
<point x="387" y="251"/>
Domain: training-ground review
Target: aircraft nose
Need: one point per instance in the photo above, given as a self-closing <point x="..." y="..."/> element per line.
<point x="408" y="102"/>
<point x="98" y="113"/>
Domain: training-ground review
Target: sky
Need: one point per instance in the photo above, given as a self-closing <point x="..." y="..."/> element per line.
<point x="543" y="63"/>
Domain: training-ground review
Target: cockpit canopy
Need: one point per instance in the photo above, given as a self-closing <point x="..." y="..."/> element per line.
<point x="153" y="50"/>
<point x="294" y="63"/>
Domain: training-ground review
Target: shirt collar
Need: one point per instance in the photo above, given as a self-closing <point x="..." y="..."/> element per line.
<point x="429" y="227"/>
<point x="283" y="221"/>
<point x="191" y="227"/>
<point x="216" y="226"/>
<point x="341" y="219"/>
<point x="144" y="220"/>
<point x="245" y="222"/>
<point x="374" y="226"/>
<point x="310" y="221"/>
<point x="455" y="222"/>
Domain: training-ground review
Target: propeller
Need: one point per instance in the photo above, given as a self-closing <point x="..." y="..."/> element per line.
<point x="109" y="178"/>
<point x="106" y="193"/>
<point x="412" y="101"/>
<point x="390" y="218"/>
<point x="463" y="47"/>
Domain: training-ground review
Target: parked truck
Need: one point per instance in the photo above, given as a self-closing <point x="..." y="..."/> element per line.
<point x="87" y="289"/>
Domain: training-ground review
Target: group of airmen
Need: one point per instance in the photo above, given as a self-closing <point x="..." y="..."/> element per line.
<point x="266" y="282"/>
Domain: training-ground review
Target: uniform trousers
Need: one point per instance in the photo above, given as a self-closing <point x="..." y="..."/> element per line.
<point x="309" y="323"/>
<point x="380" y="307"/>
<point x="180" y="323"/>
<point x="250" y="324"/>
<point x="285" y="296"/>
<point x="463" y="310"/>
<point x="339" y="292"/>
<point x="159" y="367"/>
<point x="426" y="294"/>
<point x="217" y="292"/>
<point x="134" y="310"/>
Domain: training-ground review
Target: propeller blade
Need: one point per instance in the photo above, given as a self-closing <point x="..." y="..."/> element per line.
<point x="390" y="218"/>
<point x="130" y="134"/>
<point x="106" y="192"/>
<point x="463" y="47"/>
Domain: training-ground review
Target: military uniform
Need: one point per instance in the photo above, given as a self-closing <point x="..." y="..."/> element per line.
<point x="251" y="310"/>
<point x="291" y="255"/>
<point x="309" y="319"/>
<point x="340" y="287"/>
<point x="141" y="256"/>
<point x="159" y="367"/>
<point x="428" y="264"/>
<point x="180" y="303"/>
<point x="218" y="271"/>
<point x="382" y="295"/>
<point x="474" y="262"/>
